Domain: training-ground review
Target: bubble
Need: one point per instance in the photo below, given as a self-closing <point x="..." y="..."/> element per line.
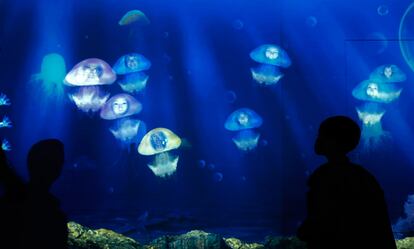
<point x="201" y="164"/>
<point x="383" y="10"/>
<point x="86" y="37"/>
<point x="218" y="177"/>
<point x="311" y="21"/>
<point x="238" y="24"/>
<point x="406" y="35"/>
<point x="211" y="166"/>
<point x="243" y="178"/>
<point x="231" y="96"/>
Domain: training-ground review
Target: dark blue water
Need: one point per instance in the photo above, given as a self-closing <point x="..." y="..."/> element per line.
<point x="200" y="73"/>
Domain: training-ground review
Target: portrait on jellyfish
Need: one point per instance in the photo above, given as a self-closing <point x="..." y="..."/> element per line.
<point x="5" y="122"/>
<point x="266" y="74"/>
<point x="134" y="16"/>
<point x="388" y="74"/>
<point x="128" y="130"/>
<point x="271" y="55"/>
<point x="372" y="134"/>
<point x="244" y="121"/>
<point x="131" y="63"/>
<point x="89" y="98"/>
<point x="369" y="90"/>
<point x="4" y="100"/>
<point x="134" y="82"/>
<point x="120" y="106"/>
<point x="51" y="76"/>
<point x="160" y="142"/>
<point x="90" y="72"/>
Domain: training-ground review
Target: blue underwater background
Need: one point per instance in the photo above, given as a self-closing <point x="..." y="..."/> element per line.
<point x="200" y="73"/>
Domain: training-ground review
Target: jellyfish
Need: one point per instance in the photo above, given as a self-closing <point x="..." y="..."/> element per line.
<point x="244" y="121"/>
<point x="4" y="100"/>
<point x="266" y="74"/>
<point x="131" y="63"/>
<point x="311" y="21"/>
<point x="160" y="142"/>
<point x="369" y="90"/>
<point x="134" y="16"/>
<point x="372" y="134"/>
<point x="388" y="74"/>
<point x="5" y="145"/>
<point x="89" y="98"/>
<point x="5" y="123"/>
<point x="128" y="130"/>
<point x="218" y="177"/>
<point x="271" y="55"/>
<point x="52" y="73"/>
<point x="90" y="72"/>
<point x="134" y="82"/>
<point x="383" y="10"/>
<point x="120" y="106"/>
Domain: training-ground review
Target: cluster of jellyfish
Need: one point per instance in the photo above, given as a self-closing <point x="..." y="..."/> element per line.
<point x="380" y="89"/>
<point x="5" y="122"/>
<point x="270" y="58"/>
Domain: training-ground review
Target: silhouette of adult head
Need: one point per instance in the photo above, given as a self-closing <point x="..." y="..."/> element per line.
<point x="337" y="136"/>
<point x="45" y="162"/>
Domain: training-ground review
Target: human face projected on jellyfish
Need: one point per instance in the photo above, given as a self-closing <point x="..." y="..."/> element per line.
<point x="89" y="98"/>
<point x="131" y="63"/>
<point x="120" y="106"/>
<point x="244" y="121"/>
<point x="388" y="74"/>
<point x="160" y="142"/>
<point x="128" y="130"/>
<point x="6" y="122"/>
<point x="5" y="145"/>
<point x="266" y="74"/>
<point x="4" y="100"/>
<point x="134" y="82"/>
<point x="90" y="72"/>
<point x="271" y="54"/>
<point x="369" y="90"/>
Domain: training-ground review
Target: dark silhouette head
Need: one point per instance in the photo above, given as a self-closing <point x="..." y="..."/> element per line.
<point x="337" y="136"/>
<point x="45" y="162"/>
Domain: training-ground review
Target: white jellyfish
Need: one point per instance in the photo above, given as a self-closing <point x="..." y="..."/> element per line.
<point x="160" y="142"/>
<point x="388" y="74"/>
<point x="120" y="106"/>
<point x="244" y="121"/>
<point x="90" y="72"/>
<point x="128" y="131"/>
<point x="89" y="98"/>
<point x="6" y="122"/>
<point x="374" y="91"/>
<point x="266" y="74"/>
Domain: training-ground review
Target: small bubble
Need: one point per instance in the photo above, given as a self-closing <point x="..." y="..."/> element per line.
<point x="238" y="24"/>
<point x="231" y="96"/>
<point x="202" y="164"/>
<point x="86" y="37"/>
<point x="383" y="10"/>
<point x="218" y="177"/>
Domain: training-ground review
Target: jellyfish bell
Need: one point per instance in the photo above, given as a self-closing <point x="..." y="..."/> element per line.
<point x="388" y="74"/>
<point x="134" y="16"/>
<point x="131" y="63"/>
<point x="89" y="98"/>
<point x="272" y="55"/>
<point x="266" y="74"/>
<point x="246" y="140"/>
<point x="120" y="106"/>
<point x="243" y="118"/>
<point x="134" y="82"/>
<point x="369" y="90"/>
<point x="90" y="72"/>
<point x="128" y="130"/>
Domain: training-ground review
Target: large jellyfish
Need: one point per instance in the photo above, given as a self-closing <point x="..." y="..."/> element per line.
<point x="134" y="16"/>
<point x="6" y="122"/>
<point x="5" y="145"/>
<point x="374" y="91"/>
<point x="244" y="120"/>
<point x="160" y="142"/>
<point x="51" y="76"/>
<point x="4" y="100"/>
<point x="388" y="74"/>
<point x="131" y="63"/>
<point x="89" y="98"/>
<point x="372" y="134"/>
<point x="134" y="82"/>
<point x="272" y="55"/>
<point x="266" y="74"/>
<point x="90" y="72"/>
<point x="120" y="106"/>
<point x="128" y="130"/>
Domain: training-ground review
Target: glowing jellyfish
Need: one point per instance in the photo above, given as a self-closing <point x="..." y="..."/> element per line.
<point x="4" y="100"/>
<point x="372" y="134"/>
<point x="369" y="90"/>
<point x="244" y="120"/>
<point x="89" y="98"/>
<point x="128" y="130"/>
<point x="134" y="16"/>
<point x="271" y="55"/>
<point x="388" y="74"/>
<point x="5" y="123"/>
<point x="201" y="164"/>
<point x="218" y="177"/>
<point x="52" y="73"/>
<point x="90" y="72"/>
<point x="5" y="145"/>
<point x="120" y="106"/>
<point x="131" y="63"/>
<point x="266" y="74"/>
<point x="134" y="82"/>
<point x="160" y="142"/>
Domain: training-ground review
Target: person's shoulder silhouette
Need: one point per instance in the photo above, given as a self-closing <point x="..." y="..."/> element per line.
<point x="345" y="204"/>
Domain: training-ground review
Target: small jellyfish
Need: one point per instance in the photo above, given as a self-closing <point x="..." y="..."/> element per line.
<point x="4" y="100"/>
<point x="131" y="63"/>
<point x="201" y="164"/>
<point x="266" y="74"/>
<point x="128" y="131"/>
<point x="89" y="98"/>
<point x="160" y="142"/>
<point x="134" y="16"/>
<point x="211" y="166"/>
<point x="272" y="55"/>
<point x="6" y="122"/>
<point x="311" y="21"/>
<point x="134" y="82"/>
<point x="90" y="72"/>
<point x="369" y="90"/>
<point x="383" y="10"/>
<point x="388" y="74"/>
<point x="120" y="106"/>
<point x="238" y="24"/>
<point x="244" y="121"/>
<point x="5" y="145"/>
<point x="217" y="177"/>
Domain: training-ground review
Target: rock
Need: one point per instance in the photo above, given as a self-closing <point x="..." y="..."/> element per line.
<point x="191" y="240"/>
<point x="407" y="243"/>
<point x="284" y="243"/>
<point x="234" y="243"/>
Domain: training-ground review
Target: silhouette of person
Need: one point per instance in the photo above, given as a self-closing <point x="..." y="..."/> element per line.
<point x="346" y="208"/>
